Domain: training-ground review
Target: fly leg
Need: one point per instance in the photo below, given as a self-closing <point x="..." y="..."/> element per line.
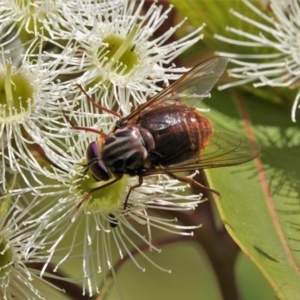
<point x="95" y="104"/>
<point x="131" y="189"/>
<point x="82" y="127"/>
<point x="194" y="182"/>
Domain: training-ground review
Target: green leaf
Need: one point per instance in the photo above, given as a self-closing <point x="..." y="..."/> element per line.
<point x="259" y="202"/>
<point x="182" y="283"/>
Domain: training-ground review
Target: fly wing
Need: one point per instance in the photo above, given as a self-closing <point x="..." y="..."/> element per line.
<point x="189" y="89"/>
<point x="222" y="150"/>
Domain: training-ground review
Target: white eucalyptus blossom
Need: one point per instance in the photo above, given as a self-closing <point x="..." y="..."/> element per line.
<point x="47" y="49"/>
<point x="20" y="276"/>
<point x="22" y="21"/>
<point x="30" y="115"/>
<point x="279" y="35"/>
<point x="99" y="223"/>
<point x="116" y="56"/>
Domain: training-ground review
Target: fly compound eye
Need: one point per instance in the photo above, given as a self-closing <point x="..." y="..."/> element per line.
<point x="95" y="163"/>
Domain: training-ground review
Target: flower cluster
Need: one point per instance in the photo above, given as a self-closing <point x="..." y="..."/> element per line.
<point x="48" y="49"/>
<point x="273" y="54"/>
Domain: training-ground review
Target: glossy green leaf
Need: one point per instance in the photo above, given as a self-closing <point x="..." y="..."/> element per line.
<point x="260" y="203"/>
<point x="182" y="283"/>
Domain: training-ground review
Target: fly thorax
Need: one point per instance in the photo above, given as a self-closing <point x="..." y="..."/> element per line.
<point x="125" y="149"/>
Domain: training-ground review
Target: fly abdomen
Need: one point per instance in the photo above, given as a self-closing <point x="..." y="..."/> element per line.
<point x="179" y="132"/>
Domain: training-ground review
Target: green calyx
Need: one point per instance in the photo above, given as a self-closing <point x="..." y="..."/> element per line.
<point x="106" y="200"/>
<point x="120" y="51"/>
<point x="6" y="256"/>
<point x="31" y="25"/>
<point x="16" y="95"/>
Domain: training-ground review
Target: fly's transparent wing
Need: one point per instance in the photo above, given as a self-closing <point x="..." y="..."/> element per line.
<point x="226" y="149"/>
<point x="222" y="150"/>
<point x="189" y="89"/>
